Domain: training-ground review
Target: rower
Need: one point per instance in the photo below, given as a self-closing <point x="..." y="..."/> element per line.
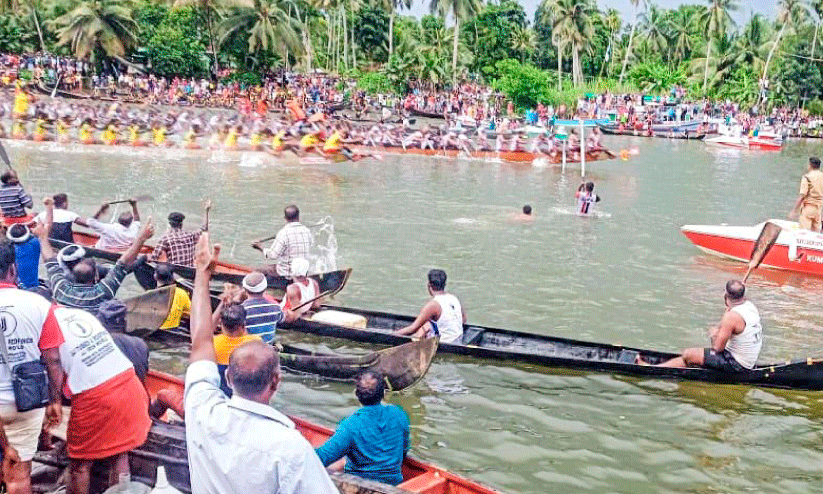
<point x="118" y="235"/>
<point x="14" y="200"/>
<point x="736" y="341"/>
<point x="292" y="241"/>
<point x="809" y="202"/>
<point x="302" y="290"/>
<point x="443" y="314"/>
<point x="586" y="197"/>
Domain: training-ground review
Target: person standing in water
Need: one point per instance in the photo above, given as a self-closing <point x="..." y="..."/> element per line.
<point x="585" y="198"/>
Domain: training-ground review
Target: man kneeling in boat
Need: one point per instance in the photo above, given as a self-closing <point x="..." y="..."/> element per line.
<point x="736" y="342"/>
<point x="442" y="315"/>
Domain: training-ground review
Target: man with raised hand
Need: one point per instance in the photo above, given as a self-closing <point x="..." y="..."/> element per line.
<point x="240" y="444"/>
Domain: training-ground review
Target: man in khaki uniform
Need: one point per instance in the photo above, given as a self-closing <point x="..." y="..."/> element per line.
<point x="810" y="199"/>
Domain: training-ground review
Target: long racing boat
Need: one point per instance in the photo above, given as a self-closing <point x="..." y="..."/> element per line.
<point x="509" y="156"/>
<point x="795" y="250"/>
<point x="513" y="346"/>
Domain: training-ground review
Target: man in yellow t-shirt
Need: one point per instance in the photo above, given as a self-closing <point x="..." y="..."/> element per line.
<point x="180" y="305"/>
<point x="232" y="335"/>
<point x="809" y="202"/>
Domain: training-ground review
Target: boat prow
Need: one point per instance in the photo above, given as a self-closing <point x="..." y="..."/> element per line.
<point x="795" y="249"/>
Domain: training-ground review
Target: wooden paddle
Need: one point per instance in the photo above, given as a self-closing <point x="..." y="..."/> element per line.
<point x="765" y="241"/>
<point x="315" y="299"/>
<point x="5" y="157"/>
<point x="136" y="199"/>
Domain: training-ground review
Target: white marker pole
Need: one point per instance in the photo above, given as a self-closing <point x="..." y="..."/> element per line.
<point x="564" y="156"/>
<point x="582" y="149"/>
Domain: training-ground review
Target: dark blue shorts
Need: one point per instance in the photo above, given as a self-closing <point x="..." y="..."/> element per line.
<point x="723" y="361"/>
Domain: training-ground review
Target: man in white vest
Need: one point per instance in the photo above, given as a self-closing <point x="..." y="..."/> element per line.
<point x="443" y="315"/>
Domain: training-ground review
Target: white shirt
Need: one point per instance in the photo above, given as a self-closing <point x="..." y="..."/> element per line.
<point x="745" y="347"/>
<point x="59" y="215"/>
<point x="23" y="318"/>
<point x="450" y="322"/>
<point x="88" y="355"/>
<point x="239" y="446"/>
<point x="292" y="241"/>
<point x="114" y="236"/>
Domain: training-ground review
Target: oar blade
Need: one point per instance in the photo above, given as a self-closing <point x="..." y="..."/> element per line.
<point x="4" y="156"/>
<point x="765" y="241"/>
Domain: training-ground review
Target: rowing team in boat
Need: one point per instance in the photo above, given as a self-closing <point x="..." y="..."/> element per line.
<point x="115" y="125"/>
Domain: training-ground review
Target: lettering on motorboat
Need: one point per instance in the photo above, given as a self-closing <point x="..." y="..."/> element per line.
<point x="805" y="242"/>
<point x="815" y="259"/>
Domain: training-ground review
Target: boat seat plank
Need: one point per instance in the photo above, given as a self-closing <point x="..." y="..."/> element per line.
<point x="428" y="483"/>
<point x="472" y="336"/>
<point x="627" y="356"/>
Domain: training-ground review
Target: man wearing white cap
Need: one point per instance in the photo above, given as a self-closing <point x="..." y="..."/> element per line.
<point x="302" y="290"/>
<point x="263" y="314"/>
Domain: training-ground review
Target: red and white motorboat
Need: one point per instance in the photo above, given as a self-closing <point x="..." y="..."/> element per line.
<point x="736" y="242"/>
<point x="761" y="142"/>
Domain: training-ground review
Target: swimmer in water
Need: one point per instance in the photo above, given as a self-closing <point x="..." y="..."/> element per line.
<point x="526" y="214"/>
<point x="585" y="198"/>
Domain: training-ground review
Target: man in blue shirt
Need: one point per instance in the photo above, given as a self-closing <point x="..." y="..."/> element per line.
<point x="263" y="314"/>
<point x="374" y="439"/>
<point x="27" y="255"/>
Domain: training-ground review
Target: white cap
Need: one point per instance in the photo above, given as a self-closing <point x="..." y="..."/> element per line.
<point x="300" y="267"/>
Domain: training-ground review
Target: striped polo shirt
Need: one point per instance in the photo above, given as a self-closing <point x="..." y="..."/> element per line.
<point x="262" y="317"/>
<point x="14" y="201"/>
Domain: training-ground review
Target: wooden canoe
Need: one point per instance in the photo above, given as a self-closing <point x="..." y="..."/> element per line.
<point x="426" y="114"/>
<point x="148" y="311"/>
<point x="166" y="446"/>
<point x="403" y="365"/>
<point x="514" y="346"/>
<point x="226" y="272"/>
<point x="419" y="477"/>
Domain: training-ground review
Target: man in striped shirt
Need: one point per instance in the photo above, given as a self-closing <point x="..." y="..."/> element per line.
<point x="86" y="291"/>
<point x="263" y="314"/>
<point x="14" y="200"/>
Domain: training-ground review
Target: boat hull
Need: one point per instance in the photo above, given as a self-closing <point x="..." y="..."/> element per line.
<point x="736" y="242"/>
<point x="508" y="156"/>
<point x="513" y="346"/>
<point x="747" y="143"/>
<point x="331" y="282"/>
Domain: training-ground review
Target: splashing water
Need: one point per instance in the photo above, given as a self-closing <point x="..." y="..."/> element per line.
<point x="325" y="245"/>
<point x="573" y="212"/>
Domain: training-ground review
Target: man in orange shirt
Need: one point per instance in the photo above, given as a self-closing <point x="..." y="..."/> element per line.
<point x="233" y="334"/>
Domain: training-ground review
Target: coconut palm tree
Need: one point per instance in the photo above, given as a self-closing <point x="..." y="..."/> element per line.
<point x="680" y="29"/>
<point x="462" y="11"/>
<point x="268" y="24"/>
<point x="716" y="20"/>
<point x="636" y="4"/>
<point x="817" y="8"/>
<point x="612" y="23"/>
<point x="791" y="13"/>
<point x="524" y="41"/>
<point x="655" y="29"/>
<point x="573" y="21"/>
<point x="392" y="6"/>
<point x="106" y="26"/>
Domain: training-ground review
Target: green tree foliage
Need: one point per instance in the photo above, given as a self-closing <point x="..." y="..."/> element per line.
<point x="656" y="77"/>
<point x="172" y="53"/>
<point x="370" y="29"/>
<point x="100" y="27"/>
<point x="494" y="34"/>
<point x="524" y="85"/>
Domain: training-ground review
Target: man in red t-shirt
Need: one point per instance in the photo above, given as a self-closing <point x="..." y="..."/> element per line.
<point x="31" y="331"/>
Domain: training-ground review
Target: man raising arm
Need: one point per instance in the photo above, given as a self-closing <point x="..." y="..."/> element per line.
<point x="224" y="436"/>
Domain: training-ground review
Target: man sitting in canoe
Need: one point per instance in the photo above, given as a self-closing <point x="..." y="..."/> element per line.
<point x="736" y="342"/>
<point x="176" y="246"/>
<point x="443" y="314"/>
<point x="302" y="291"/>
<point x="292" y="241"/>
<point x="263" y="313"/>
<point x="14" y="200"/>
<point x="374" y="439"/>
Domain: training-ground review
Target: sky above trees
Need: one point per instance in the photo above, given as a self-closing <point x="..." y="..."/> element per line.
<point x="767" y="7"/>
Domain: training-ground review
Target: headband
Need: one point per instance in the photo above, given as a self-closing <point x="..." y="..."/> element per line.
<point x="22" y="238"/>
<point x="258" y="288"/>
